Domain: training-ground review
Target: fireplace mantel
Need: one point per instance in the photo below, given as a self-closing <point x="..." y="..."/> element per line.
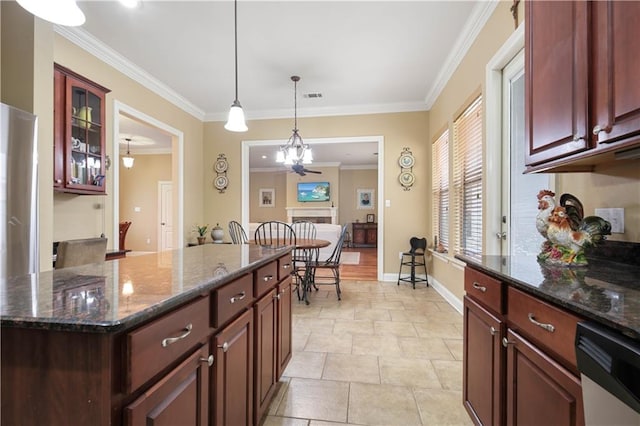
<point x="298" y="213"/>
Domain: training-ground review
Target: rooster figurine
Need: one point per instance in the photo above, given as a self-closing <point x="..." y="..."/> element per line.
<point x="567" y="232"/>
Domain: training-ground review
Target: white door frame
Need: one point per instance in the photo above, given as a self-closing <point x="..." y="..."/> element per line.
<point x="245" y="203"/>
<point x="177" y="150"/>
<point x="161" y="227"/>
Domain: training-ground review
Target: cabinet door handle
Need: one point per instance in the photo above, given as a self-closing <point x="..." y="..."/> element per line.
<point x="479" y="287"/>
<point x="267" y="278"/>
<point x="492" y="330"/>
<point x="208" y="360"/>
<point x="506" y="343"/>
<point x="224" y="347"/>
<point x="598" y="128"/>
<point x="277" y="296"/>
<point x="169" y="340"/>
<point x="577" y="138"/>
<point x="58" y="180"/>
<point x="237" y="297"/>
<point x="549" y="327"/>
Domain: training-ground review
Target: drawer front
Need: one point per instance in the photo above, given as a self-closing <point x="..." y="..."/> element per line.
<point x="153" y="347"/>
<point x="549" y="326"/>
<point x="285" y="267"/>
<point x="265" y="278"/>
<point x="485" y="289"/>
<point x="231" y="299"/>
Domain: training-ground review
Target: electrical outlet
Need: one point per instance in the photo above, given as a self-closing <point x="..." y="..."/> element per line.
<point x="148" y="240"/>
<point x="615" y="217"/>
<point x="387" y="203"/>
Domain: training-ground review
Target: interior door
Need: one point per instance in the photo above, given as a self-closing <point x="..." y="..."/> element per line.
<point x="518" y="235"/>
<point x="165" y="208"/>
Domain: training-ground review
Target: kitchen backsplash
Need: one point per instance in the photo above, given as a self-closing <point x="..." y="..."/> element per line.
<point x="616" y="251"/>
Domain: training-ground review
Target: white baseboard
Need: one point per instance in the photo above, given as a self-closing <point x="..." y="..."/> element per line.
<point x="437" y="286"/>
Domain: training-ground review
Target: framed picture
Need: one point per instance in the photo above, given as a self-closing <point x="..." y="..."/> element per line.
<point x="365" y="198"/>
<point x="267" y="197"/>
<point x="371" y="218"/>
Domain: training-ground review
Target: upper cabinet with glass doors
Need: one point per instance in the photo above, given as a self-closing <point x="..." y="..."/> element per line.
<point x="582" y="95"/>
<point x="79" y="134"/>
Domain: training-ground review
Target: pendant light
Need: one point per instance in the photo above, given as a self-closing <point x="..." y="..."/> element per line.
<point x="236" y="122"/>
<point x="127" y="160"/>
<point x="61" y="12"/>
<point x="295" y="151"/>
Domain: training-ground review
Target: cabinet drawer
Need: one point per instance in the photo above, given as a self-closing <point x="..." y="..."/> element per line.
<point x="551" y="327"/>
<point x="155" y="346"/>
<point x="231" y="299"/>
<point x="285" y="267"/>
<point x="265" y="278"/>
<point x="484" y="289"/>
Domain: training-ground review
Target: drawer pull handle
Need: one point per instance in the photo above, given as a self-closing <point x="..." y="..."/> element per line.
<point x="208" y="360"/>
<point x="267" y="278"/>
<point x="169" y="340"/>
<point x="493" y="331"/>
<point x="506" y="343"/>
<point x="286" y="266"/>
<point x="479" y="287"/>
<point x="549" y="327"/>
<point x="224" y="347"/>
<point x="237" y="297"/>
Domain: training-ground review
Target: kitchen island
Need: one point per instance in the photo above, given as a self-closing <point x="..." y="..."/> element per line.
<point x="165" y="337"/>
<point x="520" y="322"/>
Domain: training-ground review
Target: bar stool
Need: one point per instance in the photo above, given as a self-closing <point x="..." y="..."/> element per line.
<point x="412" y="258"/>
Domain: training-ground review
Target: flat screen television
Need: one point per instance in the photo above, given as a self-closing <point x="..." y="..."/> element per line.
<point x="313" y="191"/>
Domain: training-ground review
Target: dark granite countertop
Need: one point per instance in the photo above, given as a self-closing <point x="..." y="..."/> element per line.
<point x="119" y="294"/>
<point x="605" y="292"/>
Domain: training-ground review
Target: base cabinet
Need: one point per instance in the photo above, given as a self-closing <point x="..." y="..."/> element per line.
<point x="483" y="373"/>
<point x="539" y="390"/>
<point x="284" y="342"/>
<point x="266" y="350"/>
<point x="232" y="399"/>
<point x="365" y="234"/>
<point x="181" y="397"/>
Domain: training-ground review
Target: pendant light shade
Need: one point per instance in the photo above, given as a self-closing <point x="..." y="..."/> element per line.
<point x="127" y="160"/>
<point x="236" y="122"/>
<point x="61" y="12"/>
<point x="295" y="151"/>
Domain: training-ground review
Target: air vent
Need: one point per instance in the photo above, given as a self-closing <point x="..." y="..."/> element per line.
<point x="312" y="95"/>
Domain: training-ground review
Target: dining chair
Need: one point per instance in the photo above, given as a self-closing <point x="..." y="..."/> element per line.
<point x="236" y="231"/>
<point x="274" y="233"/>
<point x="124" y="228"/>
<point x="81" y="252"/>
<point x="332" y="265"/>
<point x="413" y="258"/>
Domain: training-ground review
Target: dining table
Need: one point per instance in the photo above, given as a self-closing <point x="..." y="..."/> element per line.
<point x="308" y="251"/>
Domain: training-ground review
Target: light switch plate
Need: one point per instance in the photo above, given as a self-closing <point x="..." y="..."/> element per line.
<point x="615" y="216"/>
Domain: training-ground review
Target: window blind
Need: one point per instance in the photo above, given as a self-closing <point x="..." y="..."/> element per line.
<point x="467" y="180"/>
<point x="440" y="188"/>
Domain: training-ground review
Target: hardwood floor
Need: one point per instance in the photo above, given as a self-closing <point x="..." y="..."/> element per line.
<point x="366" y="270"/>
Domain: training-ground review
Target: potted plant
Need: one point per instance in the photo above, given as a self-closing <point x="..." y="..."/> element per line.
<point x="202" y="231"/>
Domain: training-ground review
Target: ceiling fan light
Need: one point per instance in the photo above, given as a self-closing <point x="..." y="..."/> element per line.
<point x="236" y="122"/>
<point x="127" y="162"/>
<point x="61" y="12"/>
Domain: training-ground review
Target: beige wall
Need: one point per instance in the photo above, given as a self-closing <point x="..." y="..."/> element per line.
<point x="267" y="180"/>
<point x="399" y="130"/>
<point x="139" y="188"/>
<point x="350" y="182"/>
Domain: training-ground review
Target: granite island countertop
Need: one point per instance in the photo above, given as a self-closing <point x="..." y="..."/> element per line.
<point x="604" y="292"/>
<point x="120" y="294"/>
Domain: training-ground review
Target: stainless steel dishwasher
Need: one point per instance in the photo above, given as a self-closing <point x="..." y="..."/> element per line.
<point x="609" y="365"/>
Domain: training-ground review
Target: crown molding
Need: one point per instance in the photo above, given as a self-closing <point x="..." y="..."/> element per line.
<point x="87" y="42"/>
<point x="479" y="17"/>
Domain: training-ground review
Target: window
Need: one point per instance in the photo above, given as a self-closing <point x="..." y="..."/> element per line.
<point x="467" y="180"/>
<point x="440" y="189"/>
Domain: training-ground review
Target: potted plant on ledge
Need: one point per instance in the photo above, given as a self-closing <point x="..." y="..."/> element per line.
<point x="202" y="231"/>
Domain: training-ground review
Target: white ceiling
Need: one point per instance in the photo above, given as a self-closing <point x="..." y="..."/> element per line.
<point x="362" y="56"/>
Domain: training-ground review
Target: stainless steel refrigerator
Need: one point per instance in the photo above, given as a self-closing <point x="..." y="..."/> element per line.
<point x="18" y="192"/>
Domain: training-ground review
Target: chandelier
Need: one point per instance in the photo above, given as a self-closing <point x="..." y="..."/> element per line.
<point x="295" y="151"/>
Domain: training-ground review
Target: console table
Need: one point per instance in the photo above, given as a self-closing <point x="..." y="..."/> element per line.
<point x="364" y="234"/>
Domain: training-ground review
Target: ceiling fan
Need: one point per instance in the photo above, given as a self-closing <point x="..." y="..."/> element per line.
<point x="302" y="171"/>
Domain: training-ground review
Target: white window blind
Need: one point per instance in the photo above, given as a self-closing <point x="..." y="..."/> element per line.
<point x="467" y="180"/>
<point x="440" y="188"/>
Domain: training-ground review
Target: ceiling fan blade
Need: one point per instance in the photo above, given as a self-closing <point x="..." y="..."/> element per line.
<point x="313" y="171"/>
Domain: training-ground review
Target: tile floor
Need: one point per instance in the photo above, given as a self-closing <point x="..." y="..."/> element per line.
<point x="384" y="355"/>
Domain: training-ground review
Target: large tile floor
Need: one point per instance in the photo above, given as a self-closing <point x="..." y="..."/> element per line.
<point x="384" y="355"/>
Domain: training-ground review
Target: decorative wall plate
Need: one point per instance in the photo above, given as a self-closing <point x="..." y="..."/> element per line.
<point x="406" y="160"/>
<point x="221" y="182"/>
<point x="406" y="179"/>
<point x="221" y="165"/>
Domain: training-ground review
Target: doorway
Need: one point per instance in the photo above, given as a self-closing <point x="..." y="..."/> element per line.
<point x="173" y="151"/>
<point x="379" y="140"/>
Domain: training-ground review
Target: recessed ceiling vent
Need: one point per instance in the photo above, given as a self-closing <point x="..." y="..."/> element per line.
<point x="312" y="95"/>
